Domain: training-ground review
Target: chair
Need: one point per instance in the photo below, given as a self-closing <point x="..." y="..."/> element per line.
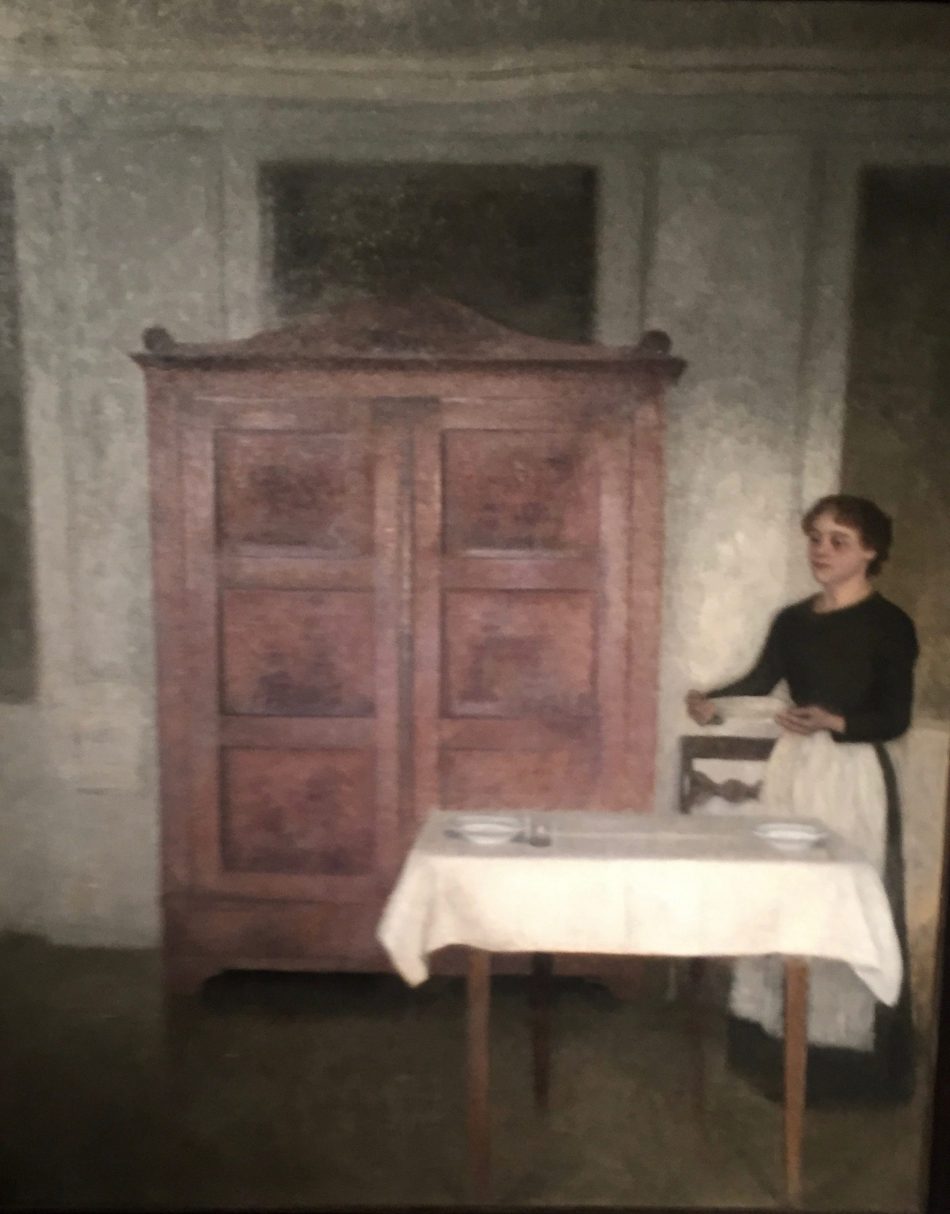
<point x="696" y="786"/>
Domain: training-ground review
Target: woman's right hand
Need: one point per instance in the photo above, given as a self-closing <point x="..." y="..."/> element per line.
<point x="701" y="708"/>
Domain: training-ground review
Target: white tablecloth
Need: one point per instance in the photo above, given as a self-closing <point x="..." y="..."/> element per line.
<point x="627" y="883"/>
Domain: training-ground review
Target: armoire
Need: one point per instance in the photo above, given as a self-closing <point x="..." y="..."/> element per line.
<point x="404" y="559"/>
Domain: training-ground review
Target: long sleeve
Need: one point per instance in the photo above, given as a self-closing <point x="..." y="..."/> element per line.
<point x="887" y="715"/>
<point x="768" y="670"/>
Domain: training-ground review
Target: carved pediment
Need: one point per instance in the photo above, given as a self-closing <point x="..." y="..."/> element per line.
<point x="424" y="327"/>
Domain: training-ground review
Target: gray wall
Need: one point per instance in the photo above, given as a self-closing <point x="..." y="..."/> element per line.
<point x="728" y="221"/>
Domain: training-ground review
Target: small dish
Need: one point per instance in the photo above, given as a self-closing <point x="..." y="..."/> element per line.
<point x="488" y="831"/>
<point x="749" y="708"/>
<point x="791" y="836"/>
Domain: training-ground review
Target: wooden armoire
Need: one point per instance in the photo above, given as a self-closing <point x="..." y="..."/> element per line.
<point x="404" y="558"/>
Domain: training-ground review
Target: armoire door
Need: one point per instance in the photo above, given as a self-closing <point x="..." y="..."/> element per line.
<point x="294" y="558"/>
<point x="521" y="530"/>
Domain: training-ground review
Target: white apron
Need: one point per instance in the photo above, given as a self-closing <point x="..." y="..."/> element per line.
<point x="842" y="785"/>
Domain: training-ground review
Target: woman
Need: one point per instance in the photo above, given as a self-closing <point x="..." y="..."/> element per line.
<point x="847" y="655"/>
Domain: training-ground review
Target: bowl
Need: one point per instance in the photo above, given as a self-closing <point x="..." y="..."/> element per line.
<point x="791" y="836"/>
<point x="488" y="831"/>
<point x="749" y="708"/>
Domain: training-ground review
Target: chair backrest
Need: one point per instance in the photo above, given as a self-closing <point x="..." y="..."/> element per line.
<point x="697" y="786"/>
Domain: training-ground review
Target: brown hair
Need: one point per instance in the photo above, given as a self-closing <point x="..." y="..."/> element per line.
<point x="871" y="523"/>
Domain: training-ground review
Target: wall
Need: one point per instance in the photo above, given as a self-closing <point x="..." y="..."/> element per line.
<point x="727" y="273"/>
<point x="726" y="220"/>
<point x="114" y="228"/>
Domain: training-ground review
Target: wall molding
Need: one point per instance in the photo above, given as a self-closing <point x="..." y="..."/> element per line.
<point x="186" y="69"/>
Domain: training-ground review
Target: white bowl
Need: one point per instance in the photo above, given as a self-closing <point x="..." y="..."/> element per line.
<point x="749" y="708"/>
<point x="488" y="831"/>
<point x="791" y="836"/>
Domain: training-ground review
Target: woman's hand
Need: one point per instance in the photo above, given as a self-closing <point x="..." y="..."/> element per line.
<point x="701" y="708"/>
<point x="810" y="720"/>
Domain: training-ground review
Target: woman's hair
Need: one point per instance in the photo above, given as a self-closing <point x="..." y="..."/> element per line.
<point x="871" y="523"/>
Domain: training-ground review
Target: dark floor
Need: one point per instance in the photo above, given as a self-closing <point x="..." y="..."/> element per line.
<point x="330" y="1090"/>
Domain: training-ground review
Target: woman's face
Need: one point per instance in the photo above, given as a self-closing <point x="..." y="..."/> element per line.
<point x="836" y="552"/>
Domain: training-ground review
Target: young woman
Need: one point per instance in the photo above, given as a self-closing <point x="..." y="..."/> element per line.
<point x="847" y="655"/>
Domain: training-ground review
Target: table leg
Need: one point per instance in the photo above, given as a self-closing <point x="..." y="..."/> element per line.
<point x="696" y="970"/>
<point x="478" y="990"/>
<point x="540" y="997"/>
<point x="796" y="1059"/>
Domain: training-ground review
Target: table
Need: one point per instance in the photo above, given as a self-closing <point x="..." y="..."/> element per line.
<point x="637" y="884"/>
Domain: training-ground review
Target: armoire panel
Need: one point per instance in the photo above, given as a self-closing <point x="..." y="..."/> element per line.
<point x="511" y="653"/>
<point x="298" y="733"/>
<point x="300" y="570"/>
<point x="294" y="488"/>
<point x="520" y="573"/>
<point x="298" y="812"/>
<point x="298" y="652"/>
<point x="517" y="733"/>
<point x="518" y="779"/>
<point x="518" y="490"/>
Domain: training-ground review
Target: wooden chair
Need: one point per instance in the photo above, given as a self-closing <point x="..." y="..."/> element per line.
<point x="695" y="788"/>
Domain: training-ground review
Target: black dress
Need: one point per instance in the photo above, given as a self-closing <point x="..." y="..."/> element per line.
<point x="857" y="662"/>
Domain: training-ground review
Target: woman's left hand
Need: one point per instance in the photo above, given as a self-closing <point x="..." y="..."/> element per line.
<point x="810" y="720"/>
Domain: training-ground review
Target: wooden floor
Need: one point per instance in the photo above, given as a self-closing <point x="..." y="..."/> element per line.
<point x="333" y="1090"/>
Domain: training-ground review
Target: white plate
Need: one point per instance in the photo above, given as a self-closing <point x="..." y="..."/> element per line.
<point x="488" y="831"/>
<point x="791" y="836"/>
<point x="749" y="708"/>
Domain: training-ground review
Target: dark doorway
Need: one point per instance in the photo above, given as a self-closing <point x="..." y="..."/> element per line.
<point x="897" y="421"/>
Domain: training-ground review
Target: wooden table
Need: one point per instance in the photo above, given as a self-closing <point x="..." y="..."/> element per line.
<point x="478" y="1018"/>
<point x="626" y="884"/>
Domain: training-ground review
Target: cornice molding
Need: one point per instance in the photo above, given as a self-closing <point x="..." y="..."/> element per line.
<point x="189" y="71"/>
